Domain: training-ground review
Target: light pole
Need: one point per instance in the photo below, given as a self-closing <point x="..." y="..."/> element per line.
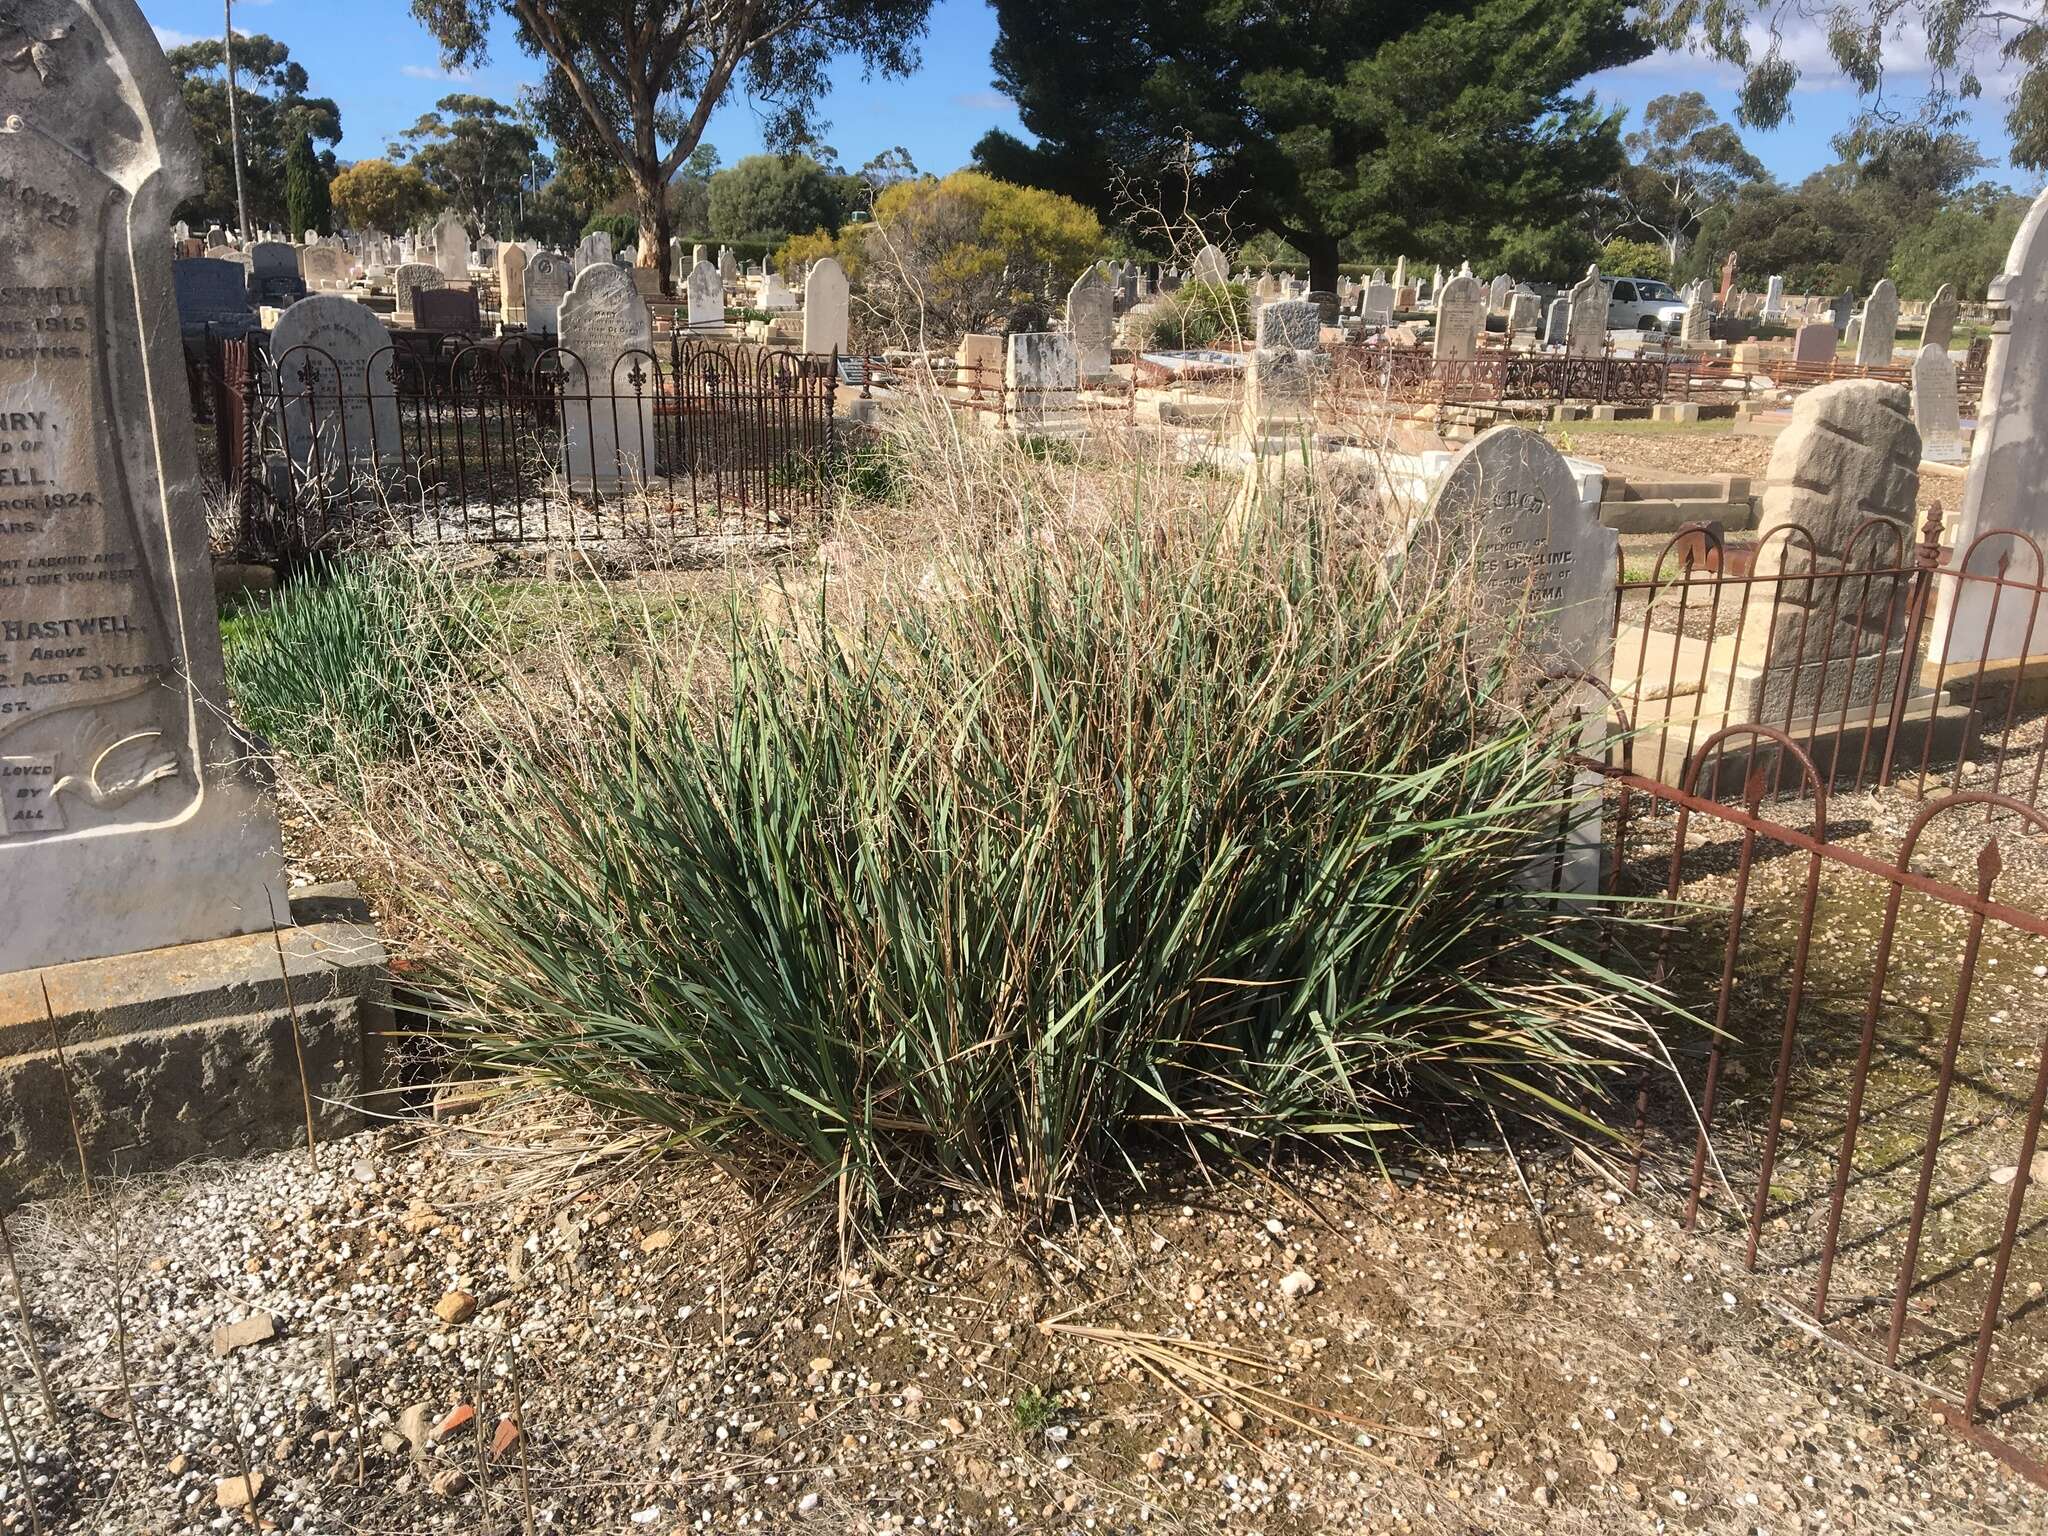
<point x="227" y="44"/>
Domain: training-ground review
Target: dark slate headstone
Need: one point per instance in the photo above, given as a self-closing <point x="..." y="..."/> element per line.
<point x="454" y="310"/>
<point x="212" y="293"/>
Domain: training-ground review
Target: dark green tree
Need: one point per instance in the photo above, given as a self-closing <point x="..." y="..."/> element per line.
<point x="306" y="198"/>
<point x="1445" y="130"/>
<point x="771" y="197"/>
<point x="276" y="113"/>
<point x="633" y="83"/>
<point x="476" y="153"/>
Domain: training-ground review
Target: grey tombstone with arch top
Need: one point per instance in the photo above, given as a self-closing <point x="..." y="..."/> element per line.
<point x="705" y="291"/>
<point x="1879" y="338"/>
<point x="547" y="284"/>
<point x="1091" y="321"/>
<point x="1585" y="324"/>
<point x="450" y="248"/>
<point x="511" y="283"/>
<point x="825" y="299"/>
<point x="610" y="384"/>
<point x="324" y="267"/>
<point x="138" y="843"/>
<point x="2008" y="469"/>
<point x="333" y="360"/>
<point x="594" y="250"/>
<point x="1936" y="410"/>
<point x="1210" y="266"/>
<point x="1460" y="316"/>
<point x="1542" y="571"/>
<point x="1815" y="342"/>
<point x="411" y="279"/>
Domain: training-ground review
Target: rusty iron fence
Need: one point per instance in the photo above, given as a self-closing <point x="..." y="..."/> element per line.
<point x="519" y="442"/>
<point x="1894" y="662"/>
<point x="1857" y="925"/>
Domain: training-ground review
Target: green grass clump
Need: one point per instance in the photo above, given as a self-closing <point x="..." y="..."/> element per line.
<point x="358" y="661"/>
<point x="1165" y="837"/>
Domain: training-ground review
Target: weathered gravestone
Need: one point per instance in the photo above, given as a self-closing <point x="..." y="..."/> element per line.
<point x="412" y="279"/>
<point x="2008" y="469"/>
<point x="451" y="248"/>
<point x="1936" y="411"/>
<point x="1091" y="321"/>
<point x="1696" y="330"/>
<point x="547" y="283"/>
<point x="1460" y="316"/>
<point x="1879" y="338"/>
<point x="1040" y="376"/>
<point x="1940" y="327"/>
<point x="728" y="266"/>
<point x="1497" y="293"/>
<point x="333" y="363"/>
<point x="594" y="250"/>
<point x="1774" y="299"/>
<point x="213" y="294"/>
<point x="453" y="311"/>
<point x="1542" y="570"/>
<point x="1814" y="342"/>
<point x="512" y="258"/>
<point x="1585" y="325"/>
<point x="1846" y="474"/>
<point x="1843" y="311"/>
<point x="1210" y="266"/>
<point x="1279" y="373"/>
<point x="324" y="267"/>
<point x="132" y="818"/>
<point x="274" y="273"/>
<point x="1525" y="316"/>
<point x="978" y="362"/>
<point x="705" y="291"/>
<point x="608" y="394"/>
<point x="1377" y="307"/>
<point x="826" y="327"/>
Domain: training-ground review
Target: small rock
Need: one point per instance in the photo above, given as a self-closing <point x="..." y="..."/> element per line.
<point x="413" y="1425"/>
<point x="449" y="1481"/>
<point x="257" y="1328"/>
<point x="657" y="1242"/>
<point x="179" y="1463"/>
<point x="1605" y="1462"/>
<point x="455" y="1307"/>
<point x="822" y="1364"/>
<point x="458" y="1419"/>
<point x="238" y="1492"/>
<point x="504" y="1438"/>
<point x="1297" y="1283"/>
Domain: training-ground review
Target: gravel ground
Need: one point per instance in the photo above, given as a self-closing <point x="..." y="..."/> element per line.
<point x="1415" y="1355"/>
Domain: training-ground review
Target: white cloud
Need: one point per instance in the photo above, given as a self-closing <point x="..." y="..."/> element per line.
<point x="171" y="38"/>
<point x="1803" y="43"/>
<point x="427" y="72"/>
<point x="982" y="101"/>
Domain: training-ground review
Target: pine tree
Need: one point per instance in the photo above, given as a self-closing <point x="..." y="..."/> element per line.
<point x="306" y="200"/>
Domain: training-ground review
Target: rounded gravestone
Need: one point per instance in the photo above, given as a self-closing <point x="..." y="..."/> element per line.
<point x="332" y="365"/>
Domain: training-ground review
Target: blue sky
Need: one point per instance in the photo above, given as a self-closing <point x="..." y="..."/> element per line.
<point x="380" y="65"/>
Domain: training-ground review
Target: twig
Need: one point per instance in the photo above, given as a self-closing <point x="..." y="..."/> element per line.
<point x="121" y="1344"/>
<point x="242" y="1456"/>
<point x="298" y="1036"/>
<point x="28" y="1489"/>
<point x="28" y="1335"/>
<point x="519" y="1423"/>
<point x="1528" y="1194"/>
<point x="64" y="1074"/>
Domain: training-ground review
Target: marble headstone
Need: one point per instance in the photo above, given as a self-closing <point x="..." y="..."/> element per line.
<point x="1940" y="328"/>
<point x="1814" y="342"/>
<point x="825" y="298"/>
<point x="1460" y="316"/>
<point x="132" y="818"/>
<point x="451" y="249"/>
<point x="594" y="250"/>
<point x="607" y="338"/>
<point x="706" y="293"/>
<point x="547" y="283"/>
<point x="1091" y="321"/>
<point x="1936" y="411"/>
<point x="1879" y="338"/>
<point x="333" y="374"/>
<point x="2008" y="467"/>
<point x="511" y="283"/>
<point x="1041" y="373"/>
<point x="1210" y="266"/>
<point x="1585" y="325"/>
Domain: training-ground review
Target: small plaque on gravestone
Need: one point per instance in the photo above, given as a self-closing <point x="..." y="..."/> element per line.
<point x="138" y="822"/>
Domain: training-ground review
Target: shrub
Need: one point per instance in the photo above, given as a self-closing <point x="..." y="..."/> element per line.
<point x="943" y="258"/>
<point x="1200" y="315"/>
<point x="624" y="228"/>
<point x="771" y="197"/>
<point x="1161" y="836"/>
<point x="794" y="252"/>
<point x="1635" y="258"/>
<point x="354" y="663"/>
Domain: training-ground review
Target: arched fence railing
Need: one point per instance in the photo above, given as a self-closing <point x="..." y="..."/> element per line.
<point x="518" y="441"/>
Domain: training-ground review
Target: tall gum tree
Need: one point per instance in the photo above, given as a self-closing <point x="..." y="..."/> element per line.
<point x="633" y="83"/>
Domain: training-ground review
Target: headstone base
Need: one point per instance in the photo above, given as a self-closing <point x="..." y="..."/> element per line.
<point x="188" y="1052"/>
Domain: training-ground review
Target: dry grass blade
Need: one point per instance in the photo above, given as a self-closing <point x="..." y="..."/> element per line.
<point x="28" y="1490"/>
<point x="284" y="975"/>
<point x="64" y="1075"/>
<point x="1189" y="1367"/>
<point x="28" y="1333"/>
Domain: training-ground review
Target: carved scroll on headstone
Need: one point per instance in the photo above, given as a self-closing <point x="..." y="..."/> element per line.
<point x="131" y="819"/>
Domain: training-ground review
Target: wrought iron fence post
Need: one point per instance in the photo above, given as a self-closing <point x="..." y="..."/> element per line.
<point x="1926" y="561"/>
